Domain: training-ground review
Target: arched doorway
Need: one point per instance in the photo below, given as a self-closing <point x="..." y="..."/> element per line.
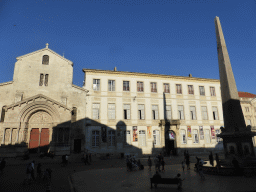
<point x="170" y="139"/>
<point x="39" y="124"/>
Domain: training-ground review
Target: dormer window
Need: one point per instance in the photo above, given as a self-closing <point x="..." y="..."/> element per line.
<point x="45" y="60"/>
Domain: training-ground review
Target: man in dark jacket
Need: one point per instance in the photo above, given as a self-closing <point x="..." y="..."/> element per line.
<point x="2" y="165"/>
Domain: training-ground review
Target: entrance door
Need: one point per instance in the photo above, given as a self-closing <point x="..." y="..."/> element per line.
<point x="34" y="140"/>
<point x="77" y="145"/>
<point x="170" y="143"/>
<point x="44" y="140"/>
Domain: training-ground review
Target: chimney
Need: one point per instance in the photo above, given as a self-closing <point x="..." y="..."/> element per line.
<point x="115" y="69"/>
<point x="190" y="75"/>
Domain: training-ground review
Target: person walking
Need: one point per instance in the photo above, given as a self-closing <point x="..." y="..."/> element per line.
<point x="188" y="162"/>
<point x="39" y="171"/>
<point x="163" y="164"/>
<point x="155" y="162"/>
<point x="149" y="163"/>
<point x="211" y="158"/>
<point x="2" y="165"/>
<point x="66" y="159"/>
<point x="180" y="181"/>
<point x="33" y="170"/>
<point x="127" y="162"/>
<point x="29" y="170"/>
<point x="90" y="157"/>
<point x="183" y="165"/>
<point x="156" y="176"/>
<point x="200" y="169"/>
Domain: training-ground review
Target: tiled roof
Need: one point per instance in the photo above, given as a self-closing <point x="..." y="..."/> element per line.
<point x="246" y="94"/>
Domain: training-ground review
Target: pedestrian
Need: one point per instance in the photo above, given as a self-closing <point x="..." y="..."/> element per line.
<point x="158" y="164"/>
<point x="183" y="165"/>
<point x="155" y="162"/>
<point x="180" y="181"/>
<point x="156" y="176"/>
<point x="33" y="170"/>
<point x="87" y="159"/>
<point x="63" y="159"/>
<point x="39" y="171"/>
<point x="218" y="162"/>
<point x="2" y="165"/>
<point x="163" y="164"/>
<point x="211" y="158"/>
<point x="149" y="163"/>
<point x="66" y="159"/>
<point x="200" y="169"/>
<point x="28" y="172"/>
<point x="127" y="162"/>
<point x="188" y="162"/>
<point x="90" y="157"/>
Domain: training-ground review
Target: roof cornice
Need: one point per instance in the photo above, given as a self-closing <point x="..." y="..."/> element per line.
<point x="146" y="75"/>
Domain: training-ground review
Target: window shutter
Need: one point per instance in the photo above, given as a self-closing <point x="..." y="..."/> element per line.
<point x="168" y="112"/>
<point x="207" y="136"/>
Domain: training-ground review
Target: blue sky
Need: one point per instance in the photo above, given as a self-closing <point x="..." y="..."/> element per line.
<point x="147" y="36"/>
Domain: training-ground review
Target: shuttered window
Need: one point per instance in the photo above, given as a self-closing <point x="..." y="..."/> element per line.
<point x="142" y="138"/>
<point x="215" y="113"/>
<point x="169" y="112"/>
<point x="155" y="111"/>
<point x="180" y="112"/>
<point x="111" y="111"/>
<point x="204" y="113"/>
<point x="195" y="136"/>
<point x="141" y="112"/>
<point x="95" y="138"/>
<point x="111" y="138"/>
<point x="183" y="136"/>
<point x="207" y="136"/>
<point x="95" y="110"/>
<point x="127" y="137"/>
<point x="156" y="136"/>
<point x="192" y="112"/>
<point x="127" y="111"/>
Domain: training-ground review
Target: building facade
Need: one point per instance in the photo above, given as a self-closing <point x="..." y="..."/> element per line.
<point x="41" y="109"/>
<point x="144" y="113"/>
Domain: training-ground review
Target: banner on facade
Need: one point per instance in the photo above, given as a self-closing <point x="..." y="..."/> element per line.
<point x="189" y="132"/>
<point x="201" y="132"/>
<point x="135" y="135"/>
<point x="171" y="135"/>
<point x="213" y="132"/>
<point x="149" y="130"/>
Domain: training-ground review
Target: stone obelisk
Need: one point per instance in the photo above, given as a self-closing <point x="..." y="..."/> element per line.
<point x="237" y="138"/>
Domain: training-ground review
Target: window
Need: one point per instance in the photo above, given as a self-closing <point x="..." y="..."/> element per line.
<point x="247" y="109"/>
<point x="195" y="136"/>
<point x="142" y="138"/>
<point x="169" y="112"/>
<point x="127" y="111"/>
<point x="95" y="111"/>
<point x="156" y="137"/>
<point x="207" y="136"/>
<point x="212" y="90"/>
<point x="95" y="138"/>
<point x="74" y="114"/>
<point x="190" y="90"/>
<point x="128" y="137"/>
<point x="192" y="112"/>
<point x="183" y="136"/>
<point x="96" y="84"/>
<point x="153" y="87"/>
<point x="140" y="86"/>
<point x="126" y="85"/>
<point x="178" y="89"/>
<point x="45" y="60"/>
<point x="215" y="113"/>
<point x="111" y="138"/>
<point x="166" y="88"/>
<point x="217" y="131"/>
<point x="155" y="111"/>
<point x="41" y="81"/>
<point x="111" y="85"/>
<point x="141" y="111"/>
<point x="46" y="79"/>
<point x="204" y="113"/>
<point x="201" y="89"/>
<point x="248" y="122"/>
<point x="111" y="111"/>
<point x="180" y="112"/>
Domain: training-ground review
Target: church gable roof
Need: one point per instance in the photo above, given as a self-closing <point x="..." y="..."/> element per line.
<point x="44" y="49"/>
<point x="38" y="97"/>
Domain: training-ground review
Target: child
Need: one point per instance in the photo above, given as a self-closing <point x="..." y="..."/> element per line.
<point x="183" y="165"/>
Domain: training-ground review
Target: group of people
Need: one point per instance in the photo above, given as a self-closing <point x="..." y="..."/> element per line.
<point x="132" y="163"/>
<point x="158" y="161"/>
<point x="30" y="171"/>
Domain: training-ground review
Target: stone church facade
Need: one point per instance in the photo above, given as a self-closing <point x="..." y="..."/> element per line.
<point x="41" y="109"/>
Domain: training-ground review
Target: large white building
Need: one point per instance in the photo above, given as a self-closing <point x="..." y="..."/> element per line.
<point x="142" y="113"/>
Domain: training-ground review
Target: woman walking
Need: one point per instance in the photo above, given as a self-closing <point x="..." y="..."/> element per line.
<point x="149" y="163"/>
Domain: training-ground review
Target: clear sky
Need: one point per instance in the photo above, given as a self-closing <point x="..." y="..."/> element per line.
<point x="173" y="37"/>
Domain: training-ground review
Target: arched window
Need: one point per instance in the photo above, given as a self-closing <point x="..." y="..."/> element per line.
<point x="95" y="138"/>
<point x="111" y="138"/>
<point x="45" y="60"/>
<point x="156" y="137"/>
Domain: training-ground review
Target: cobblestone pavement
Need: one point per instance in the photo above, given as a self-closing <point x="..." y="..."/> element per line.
<point x="119" y="180"/>
<point x="15" y="171"/>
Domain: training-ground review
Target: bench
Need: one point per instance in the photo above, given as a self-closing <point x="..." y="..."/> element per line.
<point x="164" y="181"/>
